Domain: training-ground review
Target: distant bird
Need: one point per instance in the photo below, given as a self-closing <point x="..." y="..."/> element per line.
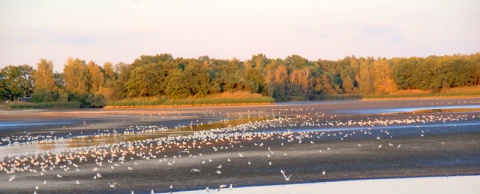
<point x="287" y="178"/>
<point x="113" y="185"/>
<point x="59" y="176"/>
<point x="130" y="168"/>
<point x="323" y="173"/>
<point x="195" y="170"/>
<point x="11" y="178"/>
<point x="220" y="187"/>
<point x="78" y="182"/>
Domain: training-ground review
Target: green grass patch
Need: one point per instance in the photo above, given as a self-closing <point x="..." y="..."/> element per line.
<point x="45" y="105"/>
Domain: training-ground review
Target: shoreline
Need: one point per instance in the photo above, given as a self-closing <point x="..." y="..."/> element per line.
<point x="373" y="186"/>
<point x="386" y="152"/>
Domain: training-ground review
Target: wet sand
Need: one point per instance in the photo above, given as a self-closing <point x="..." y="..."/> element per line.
<point x="444" y="149"/>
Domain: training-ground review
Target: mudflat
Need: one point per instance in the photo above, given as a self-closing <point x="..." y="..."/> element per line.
<point x="168" y="150"/>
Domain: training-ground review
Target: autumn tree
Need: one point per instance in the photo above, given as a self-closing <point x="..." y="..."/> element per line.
<point x="96" y="77"/>
<point x="44" y="78"/>
<point x="76" y="75"/>
<point x="383" y="81"/>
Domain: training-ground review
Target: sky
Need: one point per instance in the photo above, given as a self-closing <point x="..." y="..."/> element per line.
<point x="123" y="30"/>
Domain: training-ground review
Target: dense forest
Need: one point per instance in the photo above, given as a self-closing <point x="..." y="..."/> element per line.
<point x="291" y="79"/>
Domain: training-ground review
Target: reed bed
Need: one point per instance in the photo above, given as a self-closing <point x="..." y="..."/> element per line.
<point x="45" y="105"/>
<point x="223" y="99"/>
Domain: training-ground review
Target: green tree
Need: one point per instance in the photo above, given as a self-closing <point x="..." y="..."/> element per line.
<point x="18" y="81"/>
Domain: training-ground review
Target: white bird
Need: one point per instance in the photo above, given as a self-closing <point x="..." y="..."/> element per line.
<point x="231" y="187"/>
<point x="59" y="176"/>
<point x="241" y="156"/>
<point x="99" y="175"/>
<point x="130" y="168"/>
<point x="219" y="172"/>
<point x="220" y="187"/>
<point x="171" y="186"/>
<point x="195" y="170"/>
<point x="323" y="173"/>
<point x="287" y="178"/>
<point x="152" y="191"/>
<point x="113" y="185"/>
<point x="11" y="178"/>
<point x="219" y="166"/>
<point x="78" y="182"/>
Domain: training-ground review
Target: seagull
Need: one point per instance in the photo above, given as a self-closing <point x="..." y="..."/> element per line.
<point x="11" y="178"/>
<point x="59" y="176"/>
<point x="78" y="182"/>
<point x="99" y="175"/>
<point x="287" y="178"/>
<point x="323" y="173"/>
<point x="113" y="185"/>
<point x="130" y="168"/>
<point x="195" y="170"/>
<point x="220" y="187"/>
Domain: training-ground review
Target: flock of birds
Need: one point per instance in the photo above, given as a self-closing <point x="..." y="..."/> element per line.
<point x="310" y="127"/>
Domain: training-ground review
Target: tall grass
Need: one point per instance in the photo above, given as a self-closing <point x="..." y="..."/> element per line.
<point x="46" y="105"/>
<point x="227" y="98"/>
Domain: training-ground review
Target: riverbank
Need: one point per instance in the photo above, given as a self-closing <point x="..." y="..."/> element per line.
<point x="302" y="139"/>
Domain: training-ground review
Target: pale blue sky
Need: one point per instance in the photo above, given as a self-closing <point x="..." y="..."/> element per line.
<point x="122" y="30"/>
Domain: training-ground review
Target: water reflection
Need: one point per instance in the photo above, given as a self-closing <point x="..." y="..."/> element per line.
<point x="112" y="138"/>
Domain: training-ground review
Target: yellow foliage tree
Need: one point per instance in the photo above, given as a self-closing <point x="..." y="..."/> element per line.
<point x="44" y="76"/>
<point x="383" y="82"/>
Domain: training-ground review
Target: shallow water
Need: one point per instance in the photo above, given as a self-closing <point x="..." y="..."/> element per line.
<point x="425" y="109"/>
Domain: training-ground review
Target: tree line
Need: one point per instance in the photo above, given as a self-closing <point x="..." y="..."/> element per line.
<point x="292" y="78"/>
